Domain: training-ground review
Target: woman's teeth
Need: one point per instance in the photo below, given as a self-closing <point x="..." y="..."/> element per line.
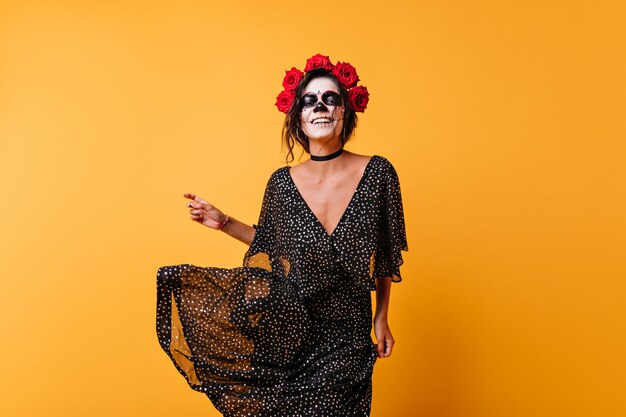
<point x="321" y="122"/>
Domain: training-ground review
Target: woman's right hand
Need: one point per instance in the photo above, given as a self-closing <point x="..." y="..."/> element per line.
<point x="204" y="212"/>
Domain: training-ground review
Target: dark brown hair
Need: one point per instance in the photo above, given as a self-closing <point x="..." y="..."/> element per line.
<point x="292" y="129"/>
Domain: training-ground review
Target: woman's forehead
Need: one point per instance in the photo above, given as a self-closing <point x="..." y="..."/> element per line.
<point x="321" y="84"/>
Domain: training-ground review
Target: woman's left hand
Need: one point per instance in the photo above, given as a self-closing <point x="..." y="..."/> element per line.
<point x="383" y="337"/>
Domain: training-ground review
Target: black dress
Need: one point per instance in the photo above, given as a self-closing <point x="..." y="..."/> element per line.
<point x="288" y="334"/>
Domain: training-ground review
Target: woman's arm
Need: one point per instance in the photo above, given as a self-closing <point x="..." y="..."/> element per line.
<point x="381" y="326"/>
<point x="240" y="231"/>
<point x="208" y="215"/>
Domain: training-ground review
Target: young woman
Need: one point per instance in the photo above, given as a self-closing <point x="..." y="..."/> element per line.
<point x="288" y="334"/>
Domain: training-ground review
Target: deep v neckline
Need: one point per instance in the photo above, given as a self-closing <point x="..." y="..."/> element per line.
<point x="345" y="211"/>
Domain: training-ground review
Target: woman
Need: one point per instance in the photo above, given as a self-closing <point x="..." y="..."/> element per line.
<point x="288" y="334"/>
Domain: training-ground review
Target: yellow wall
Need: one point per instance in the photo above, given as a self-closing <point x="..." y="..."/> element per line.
<point x="505" y="121"/>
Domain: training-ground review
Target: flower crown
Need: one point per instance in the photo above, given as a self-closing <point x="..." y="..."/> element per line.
<point x="358" y="96"/>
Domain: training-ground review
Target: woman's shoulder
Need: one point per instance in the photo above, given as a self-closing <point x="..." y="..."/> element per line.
<point x="382" y="164"/>
<point x="280" y="172"/>
<point x="365" y="160"/>
<point x="278" y="177"/>
<point x="374" y="159"/>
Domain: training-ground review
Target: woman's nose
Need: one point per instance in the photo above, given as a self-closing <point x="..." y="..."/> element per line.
<point x="320" y="107"/>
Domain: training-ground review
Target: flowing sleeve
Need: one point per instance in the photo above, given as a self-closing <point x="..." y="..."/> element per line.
<point x="260" y="253"/>
<point x="388" y="256"/>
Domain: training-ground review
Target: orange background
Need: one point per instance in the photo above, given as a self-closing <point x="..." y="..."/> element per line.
<point x="505" y="121"/>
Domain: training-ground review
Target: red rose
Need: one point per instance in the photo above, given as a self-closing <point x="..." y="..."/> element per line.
<point x="292" y="78"/>
<point x="284" y="100"/>
<point x="346" y="74"/>
<point x="318" y="61"/>
<point x="358" y="98"/>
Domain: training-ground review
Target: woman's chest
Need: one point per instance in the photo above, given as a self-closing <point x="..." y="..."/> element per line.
<point x="299" y="224"/>
<point x="328" y="199"/>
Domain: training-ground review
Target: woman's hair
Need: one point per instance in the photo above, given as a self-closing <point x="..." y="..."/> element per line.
<point x="292" y="129"/>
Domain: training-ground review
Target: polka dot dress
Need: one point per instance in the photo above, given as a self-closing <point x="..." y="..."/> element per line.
<point x="288" y="333"/>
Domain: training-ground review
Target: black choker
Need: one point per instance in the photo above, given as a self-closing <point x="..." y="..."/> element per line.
<point x="327" y="157"/>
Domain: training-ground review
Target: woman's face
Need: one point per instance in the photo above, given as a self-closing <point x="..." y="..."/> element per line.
<point x="322" y="111"/>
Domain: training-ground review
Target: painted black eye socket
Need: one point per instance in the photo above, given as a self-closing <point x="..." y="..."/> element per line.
<point x="329" y="98"/>
<point x="309" y="100"/>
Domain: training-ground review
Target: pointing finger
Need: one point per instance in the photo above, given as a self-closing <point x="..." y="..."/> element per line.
<point x="195" y="198"/>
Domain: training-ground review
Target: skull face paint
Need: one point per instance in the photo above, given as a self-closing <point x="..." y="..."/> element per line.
<point x="322" y="111"/>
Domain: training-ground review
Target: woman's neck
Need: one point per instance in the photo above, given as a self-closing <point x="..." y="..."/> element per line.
<point x="326" y="148"/>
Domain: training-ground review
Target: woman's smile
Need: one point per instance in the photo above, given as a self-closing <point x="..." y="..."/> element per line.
<point x="322" y="121"/>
